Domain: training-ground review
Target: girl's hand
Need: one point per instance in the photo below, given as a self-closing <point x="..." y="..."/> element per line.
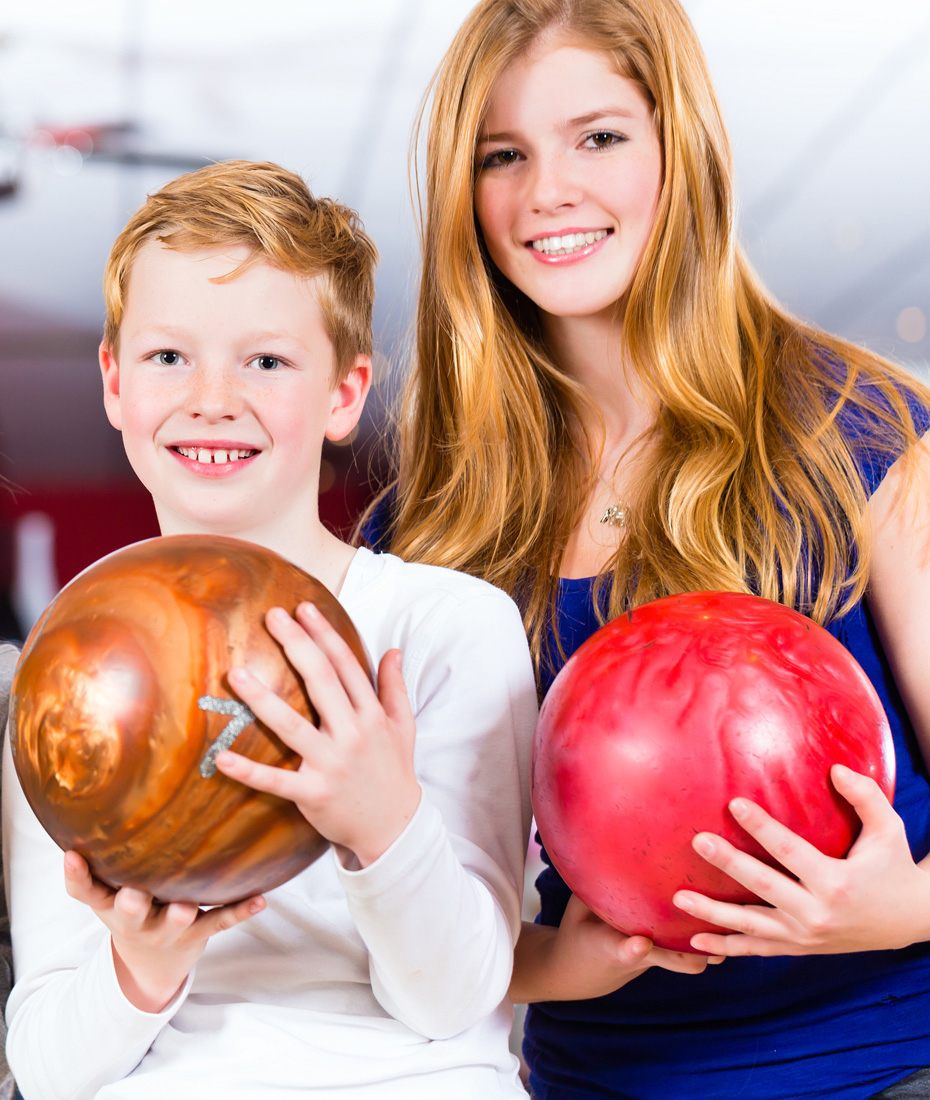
<point x="356" y="783"/>
<point x="155" y="946"/>
<point x="875" y="898"/>
<point x="585" y="957"/>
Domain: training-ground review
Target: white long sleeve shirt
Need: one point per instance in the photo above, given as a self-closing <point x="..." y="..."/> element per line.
<point x="389" y="981"/>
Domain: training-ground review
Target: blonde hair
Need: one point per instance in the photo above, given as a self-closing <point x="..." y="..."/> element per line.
<point x="750" y="483"/>
<point x="272" y="212"/>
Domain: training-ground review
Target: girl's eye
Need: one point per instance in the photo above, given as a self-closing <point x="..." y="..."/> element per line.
<point x="500" y="158"/>
<point x="603" y="139"/>
<point x="167" y="358"/>
<point x="266" y="362"/>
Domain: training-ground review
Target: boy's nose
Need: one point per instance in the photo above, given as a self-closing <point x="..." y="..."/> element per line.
<point x="214" y="394"/>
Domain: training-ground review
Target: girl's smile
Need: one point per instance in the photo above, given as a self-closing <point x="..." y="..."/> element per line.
<point x="569" y="245"/>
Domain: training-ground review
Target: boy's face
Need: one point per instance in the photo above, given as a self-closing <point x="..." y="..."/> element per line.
<point x="223" y="392"/>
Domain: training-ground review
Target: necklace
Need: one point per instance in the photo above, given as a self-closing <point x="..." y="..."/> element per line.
<point x="614" y="514"/>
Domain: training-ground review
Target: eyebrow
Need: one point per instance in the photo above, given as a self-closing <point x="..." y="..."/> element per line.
<point x="581" y="120"/>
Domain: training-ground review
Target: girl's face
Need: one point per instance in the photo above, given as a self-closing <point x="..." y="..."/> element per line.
<point x="569" y="170"/>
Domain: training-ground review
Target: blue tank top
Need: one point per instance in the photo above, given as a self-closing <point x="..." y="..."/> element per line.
<point x="837" y="1026"/>
<point x="832" y="1026"/>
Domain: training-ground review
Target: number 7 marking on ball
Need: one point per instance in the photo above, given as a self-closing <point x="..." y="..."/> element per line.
<point x="241" y="717"/>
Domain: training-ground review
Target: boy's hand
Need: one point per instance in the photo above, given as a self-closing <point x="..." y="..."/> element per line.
<point x="155" y="946"/>
<point x="356" y="783"/>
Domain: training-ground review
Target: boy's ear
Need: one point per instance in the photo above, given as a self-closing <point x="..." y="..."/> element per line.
<point x="349" y="399"/>
<point x="109" y="368"/>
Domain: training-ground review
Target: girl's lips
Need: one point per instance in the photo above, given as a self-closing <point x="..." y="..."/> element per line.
<point x="561" y="257"/>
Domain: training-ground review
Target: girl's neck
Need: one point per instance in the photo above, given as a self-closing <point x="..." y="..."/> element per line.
<point x="590" y="349"/>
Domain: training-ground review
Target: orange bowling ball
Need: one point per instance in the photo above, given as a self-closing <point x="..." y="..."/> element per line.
<point x="120" y="704"/>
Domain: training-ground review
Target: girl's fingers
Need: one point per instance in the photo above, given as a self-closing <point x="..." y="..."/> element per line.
<point x="750" y="920"/>
<point x="680" y="962"/>
<point x="765" y="882"/>
<point x="791" y="851"/>
<point x="737" y="946"/>
<point x="866" y="798"/>
<point x="293" y="729"/>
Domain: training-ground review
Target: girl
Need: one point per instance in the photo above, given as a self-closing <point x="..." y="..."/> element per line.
<point x="606" y="407"/>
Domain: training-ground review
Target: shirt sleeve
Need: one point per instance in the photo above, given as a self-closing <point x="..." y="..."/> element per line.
<point x="867" y="436"/>
<point x="71" y="1030"/>
<point x="440" y="910"/>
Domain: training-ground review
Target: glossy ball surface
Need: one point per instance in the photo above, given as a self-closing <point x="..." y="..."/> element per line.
<point x="108" y="730"/>
<point x="666" y="714"/>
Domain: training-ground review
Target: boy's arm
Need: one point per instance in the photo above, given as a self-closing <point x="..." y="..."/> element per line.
<point x="438" y="905"/>
<point x="70" y="1028"/>
<point x="440" y="910"/>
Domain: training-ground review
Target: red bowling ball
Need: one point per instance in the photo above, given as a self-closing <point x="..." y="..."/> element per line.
<point x="120" y="704"/>
<point x="666" y="714"/>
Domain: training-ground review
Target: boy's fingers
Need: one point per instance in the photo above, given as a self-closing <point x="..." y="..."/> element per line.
<point x="392" y="691"/>
<point x="293" y="729"/>
<point x="228" y="916"/>
<point x="354" y="676"/>
<point x="324" y="686"/>
<point x="180" y="914"/>
<point x="81" y="884"/>
<point x="132" y="906"/>
<point x="262" y="777"/>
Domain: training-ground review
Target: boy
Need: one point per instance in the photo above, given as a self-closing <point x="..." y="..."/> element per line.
<point x="237" y="338"/>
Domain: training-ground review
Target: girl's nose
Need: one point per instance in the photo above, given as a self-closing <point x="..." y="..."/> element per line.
<point x="552" y="184"/>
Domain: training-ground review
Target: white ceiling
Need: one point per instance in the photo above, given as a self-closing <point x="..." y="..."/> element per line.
<point x="827" y="103"/>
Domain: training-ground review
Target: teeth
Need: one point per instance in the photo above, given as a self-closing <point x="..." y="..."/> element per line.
<point x="569" y="242"/>
<point x="203" y="454"/>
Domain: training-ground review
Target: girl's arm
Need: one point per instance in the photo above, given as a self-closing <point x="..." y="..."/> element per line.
<point x="877" y="897"/>
<point x="584" y="958"/>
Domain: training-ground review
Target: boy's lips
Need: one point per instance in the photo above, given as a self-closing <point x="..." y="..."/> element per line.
<point x="214" y="458"/>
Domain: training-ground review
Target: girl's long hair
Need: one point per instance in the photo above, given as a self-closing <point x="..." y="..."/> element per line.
<point x="749" y="483"/>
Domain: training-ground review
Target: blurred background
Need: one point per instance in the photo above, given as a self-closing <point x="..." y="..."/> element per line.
<point x="102" y="101"/>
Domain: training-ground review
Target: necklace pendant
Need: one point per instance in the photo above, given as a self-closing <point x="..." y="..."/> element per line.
<point x="615" y="515"/>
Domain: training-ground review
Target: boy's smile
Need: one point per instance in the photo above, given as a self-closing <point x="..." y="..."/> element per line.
<point x="223" y="392"/>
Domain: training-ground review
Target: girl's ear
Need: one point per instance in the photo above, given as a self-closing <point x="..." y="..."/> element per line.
<point x="109" y="368"/>
<point x="349" y="399"/>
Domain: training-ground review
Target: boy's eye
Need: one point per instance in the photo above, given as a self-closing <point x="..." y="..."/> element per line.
<point x="167" y="358"/>
<point x="266" y="362"/>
